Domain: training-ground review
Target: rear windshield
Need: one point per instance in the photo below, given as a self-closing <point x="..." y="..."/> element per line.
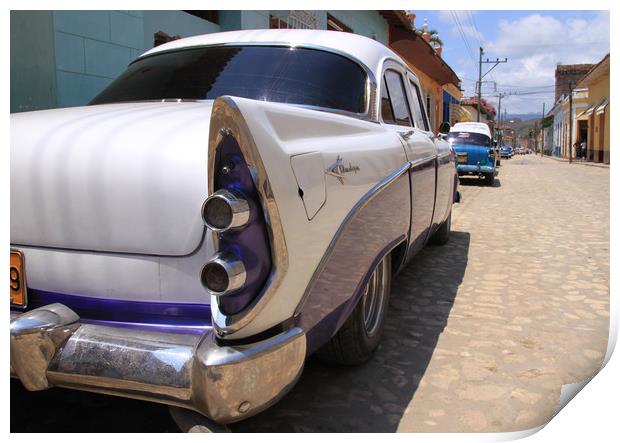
<point x="275" y="74"/>
<point x="469" y="138"/>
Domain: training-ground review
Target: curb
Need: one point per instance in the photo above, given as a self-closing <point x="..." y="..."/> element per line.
<point x="593" y="165"/>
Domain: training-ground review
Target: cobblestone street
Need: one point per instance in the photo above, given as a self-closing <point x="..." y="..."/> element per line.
<point x="481" y="335"/>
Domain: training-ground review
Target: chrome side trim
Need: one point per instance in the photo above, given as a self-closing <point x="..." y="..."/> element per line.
<point x="370" y="98"/>
<point x="50" y="347"/>
<point x="226" y="115"/>
<point x="421" y="161"/>
<point x="393" y="176"/>
<point x="444" y="154"/>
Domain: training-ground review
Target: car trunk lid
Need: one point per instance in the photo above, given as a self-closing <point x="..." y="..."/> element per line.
<point x="475" y="154"/>
<point x="123" y="178"/>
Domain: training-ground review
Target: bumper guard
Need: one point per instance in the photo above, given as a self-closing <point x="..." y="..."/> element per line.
<point x="51" y="347"/>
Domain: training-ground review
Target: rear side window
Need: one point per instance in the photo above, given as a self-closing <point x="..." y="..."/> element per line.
<point x="395" y="88"/>
<point x="418" y="109"/>
<point x="387" y="114"/>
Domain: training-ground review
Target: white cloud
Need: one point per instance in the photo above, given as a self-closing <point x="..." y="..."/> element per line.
<point x="534" y="45"/>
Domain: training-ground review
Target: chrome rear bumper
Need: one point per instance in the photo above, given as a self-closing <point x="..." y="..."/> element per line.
<point x="51" y="347"/>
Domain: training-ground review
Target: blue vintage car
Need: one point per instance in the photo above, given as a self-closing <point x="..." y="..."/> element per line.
<point x="474" y="149"/>
<point x="506" y="151"/>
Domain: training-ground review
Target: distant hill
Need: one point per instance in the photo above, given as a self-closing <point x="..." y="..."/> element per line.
<point x="523" y="126"/>
<point x="523" y="117"/>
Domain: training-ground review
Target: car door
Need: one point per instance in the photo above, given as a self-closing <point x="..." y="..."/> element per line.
<point x="446" y="180"/>
<point x="421" y="174"/>
<point x="410" y="123"/>
<point x="445" y="163"/>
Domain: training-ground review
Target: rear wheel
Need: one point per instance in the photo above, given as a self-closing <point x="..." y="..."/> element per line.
<point x="489" y="179"/>
<point x="360" y="335"/>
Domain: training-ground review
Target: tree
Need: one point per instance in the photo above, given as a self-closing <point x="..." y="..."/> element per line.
<point x="434" y="36"/>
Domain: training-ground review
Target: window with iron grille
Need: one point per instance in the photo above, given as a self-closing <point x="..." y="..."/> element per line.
<point x="293" y="20"/>
<point x="333" y="24"/>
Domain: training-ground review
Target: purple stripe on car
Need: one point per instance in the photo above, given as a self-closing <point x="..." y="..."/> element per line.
<point x="183" y="316"/>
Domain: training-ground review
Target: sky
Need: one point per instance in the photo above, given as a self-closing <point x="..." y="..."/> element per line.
<point x="533" y="41"/>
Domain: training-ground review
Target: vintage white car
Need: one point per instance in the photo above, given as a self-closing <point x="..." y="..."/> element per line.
<point x="230" y="204"/>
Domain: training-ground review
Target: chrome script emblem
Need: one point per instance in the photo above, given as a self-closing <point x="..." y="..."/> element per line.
<point x="338" y="169"/>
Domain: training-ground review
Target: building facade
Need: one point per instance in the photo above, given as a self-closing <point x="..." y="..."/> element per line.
<point x="453" y="112"/>
<point x="487" y="111"/>
<point x="567" y="76"/>
<point x="556" y="136"/>
<point x="569" y="138"/>
<point x="595" y="120"/>
<point x="65" y="58"/>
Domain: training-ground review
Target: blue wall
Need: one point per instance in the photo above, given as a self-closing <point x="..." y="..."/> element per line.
<point x="366" y="23"/>
<point x="92" y="48"/>
<point x="65" y="58"/>
<point x="33" y="77"/>
<point x="448" y="100"/>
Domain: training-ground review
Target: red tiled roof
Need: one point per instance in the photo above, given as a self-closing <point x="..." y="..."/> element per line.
<point x="485" y="106"/>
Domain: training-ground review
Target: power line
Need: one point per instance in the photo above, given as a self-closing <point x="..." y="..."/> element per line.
<point x="477" y="34"/>
<point x="459" y="28"/>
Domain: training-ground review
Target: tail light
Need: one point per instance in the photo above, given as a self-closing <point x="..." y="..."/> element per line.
<point x="242" y="264"/>
<point x="223" y="274"/>
<point x="225" y="210"/>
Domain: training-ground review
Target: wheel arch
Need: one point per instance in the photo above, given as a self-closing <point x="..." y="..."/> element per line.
<point x="374" y="228"/>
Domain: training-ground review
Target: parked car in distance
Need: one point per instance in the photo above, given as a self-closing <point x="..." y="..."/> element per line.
<point x="230" y="204"/>
<point x="506" y="151"/>
<point x="474" y="150"/>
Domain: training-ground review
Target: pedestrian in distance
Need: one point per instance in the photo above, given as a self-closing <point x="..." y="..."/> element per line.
<point x="584" y="150"/>
<point x="577" y="147"/>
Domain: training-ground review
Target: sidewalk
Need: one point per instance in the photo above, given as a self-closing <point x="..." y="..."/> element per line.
<point x="579" y="162"/>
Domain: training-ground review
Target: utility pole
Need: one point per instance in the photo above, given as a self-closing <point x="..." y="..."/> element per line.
<point x="542" y="131"/>
<point x="535" y="135"/>
<point x="495" y="62"/>
<point x="479" y="82"/>
<point x="499" y="120"/>
<point x="570" y="122"/>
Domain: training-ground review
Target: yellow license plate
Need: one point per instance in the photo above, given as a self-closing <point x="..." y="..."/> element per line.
<point x="19" y="295"/>
<point x="462" y="158"/>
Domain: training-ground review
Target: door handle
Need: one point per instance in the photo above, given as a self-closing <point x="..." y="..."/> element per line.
<point x="406" y="134"/>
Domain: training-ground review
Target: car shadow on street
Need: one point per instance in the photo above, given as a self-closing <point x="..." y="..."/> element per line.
<point x="373" y="397"/>
<point x="66" y="410"/>
<point x="475" y="181"/>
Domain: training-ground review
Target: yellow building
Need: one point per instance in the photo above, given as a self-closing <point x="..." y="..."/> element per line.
<point x="579" y="105"/>
<point x="593" y="123"/>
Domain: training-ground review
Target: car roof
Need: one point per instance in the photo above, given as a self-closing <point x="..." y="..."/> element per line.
<point x="475" y="127"/>
<point x="366" y="51"/>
